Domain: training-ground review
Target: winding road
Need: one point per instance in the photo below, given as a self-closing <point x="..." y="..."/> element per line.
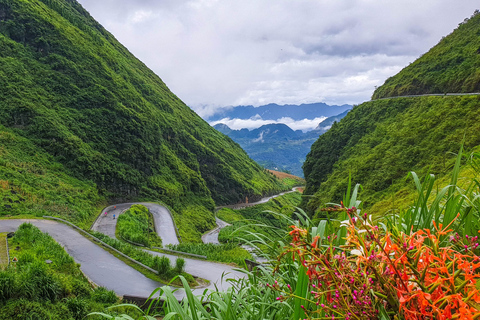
<point x="164" y="225"/>
<point x="212" y="236"/>
<point x="107" y="271"/>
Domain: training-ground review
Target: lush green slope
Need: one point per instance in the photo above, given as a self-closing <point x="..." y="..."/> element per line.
<point x="379" y="142"/>
<point x="453" y="65"/>
<point x="80" y="99"/>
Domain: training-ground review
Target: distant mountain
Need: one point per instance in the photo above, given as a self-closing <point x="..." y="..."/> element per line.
<point x="274" y="111"/>
<point x="277" y="146"/>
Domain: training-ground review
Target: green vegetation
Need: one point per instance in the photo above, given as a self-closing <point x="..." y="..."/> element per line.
<point x="451" y="66"/>
<point x="31" y="182"/>
<point x="229" y="253"/>
<point x="97" y="124"/>
<point x="161" y="264"/>
<point x="379" y="142"/>
<point x="266" y="219"/>
<point x="33" y="289"/>
<point x="136" y="225"/>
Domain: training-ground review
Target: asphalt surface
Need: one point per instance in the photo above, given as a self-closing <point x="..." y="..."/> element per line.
<point x="96" y="263"/>
<point x="212" y="236"/>
<point x="164" y="225"/>
<point x="251" y="204"/>
<point x="107" y="271"/>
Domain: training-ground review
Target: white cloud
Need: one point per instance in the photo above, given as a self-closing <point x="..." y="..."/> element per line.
<point x="257" y="121"/>
<point x="221" y="53"/>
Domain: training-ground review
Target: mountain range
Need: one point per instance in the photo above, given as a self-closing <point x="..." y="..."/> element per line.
<point x="274" y="111"/>
<point x="277" y="146"/>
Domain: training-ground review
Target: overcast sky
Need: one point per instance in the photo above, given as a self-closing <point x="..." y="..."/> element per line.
<point x="217" y="53"/>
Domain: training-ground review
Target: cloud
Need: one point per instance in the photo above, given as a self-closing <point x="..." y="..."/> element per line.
<point x="223" y="53"/>
<point x="257" y="121"/>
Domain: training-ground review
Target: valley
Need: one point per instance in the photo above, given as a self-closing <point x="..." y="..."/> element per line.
<point x="111" y="186"/>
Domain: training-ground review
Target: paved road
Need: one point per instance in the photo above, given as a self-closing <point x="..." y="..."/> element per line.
<point x="163" y="221"/>
<point x="212" y="236"/>
<point x="96" y="263"/>
<point x="251" y="204"/>
<point x="107" y="271"/>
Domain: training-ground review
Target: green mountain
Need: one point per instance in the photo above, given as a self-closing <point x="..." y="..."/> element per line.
<point x="379" y="142"/>
<point x="81" y="119"/>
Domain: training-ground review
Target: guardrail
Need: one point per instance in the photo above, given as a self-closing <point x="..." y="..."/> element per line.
<point x="103" y="243"/>
<point x="184" y="253"/>
<point x="168" y="250"/>
<point x="429" y="95"/>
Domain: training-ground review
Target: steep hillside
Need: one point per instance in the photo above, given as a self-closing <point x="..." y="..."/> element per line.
<point x="378" y="142"/>
<point x="453" y="65"/>
<point x="81" y="100"/>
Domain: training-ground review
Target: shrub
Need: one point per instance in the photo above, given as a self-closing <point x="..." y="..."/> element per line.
<point x="7" y="285"/>
<point x="77" y="307"/>
<point x="162" y="265"/>
<point x="104" y="295"/>
<point x="179" y="265"/>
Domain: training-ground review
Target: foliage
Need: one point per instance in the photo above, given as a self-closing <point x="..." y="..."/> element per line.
<point x="450" y="66"/>
<point x="229" y="252"/>
<point x="32" y="182"/>
<point x="379" y="142"/>
<point x="33" y="289"/>
<point x="378" y="271"/>
<point x="101" y="119"/>
<point x="162" y="265"/>
<point x="136" y="225"/>
<point x="179" y="265"/>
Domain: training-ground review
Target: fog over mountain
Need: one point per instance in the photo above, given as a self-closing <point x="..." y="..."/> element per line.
<point x="304" y="117"/>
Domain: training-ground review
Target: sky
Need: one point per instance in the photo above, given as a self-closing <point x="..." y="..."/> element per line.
<point x="219" y="53"/>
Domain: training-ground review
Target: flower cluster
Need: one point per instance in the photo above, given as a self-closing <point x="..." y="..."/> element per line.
<point x="408" y="275"/>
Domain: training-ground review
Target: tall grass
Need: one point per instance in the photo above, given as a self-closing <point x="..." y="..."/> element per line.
<point x="229" y="252"/>
<point x="457" y="205"/>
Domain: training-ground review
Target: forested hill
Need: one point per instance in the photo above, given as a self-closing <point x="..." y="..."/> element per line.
<point x="452" y="66"/>
<point x="89" y="109"/>
<point x="380" y="141"/>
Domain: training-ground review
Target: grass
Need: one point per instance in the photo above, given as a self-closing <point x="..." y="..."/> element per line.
<point x="136" y="225"/>
<point x="3" y="250"/>
<point x="262" y="219"/>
